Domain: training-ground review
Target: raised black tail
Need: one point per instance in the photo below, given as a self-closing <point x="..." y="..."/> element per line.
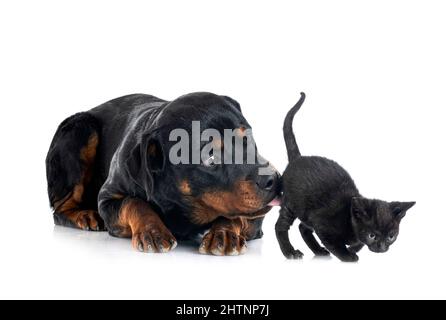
<point x="288" y="134"/>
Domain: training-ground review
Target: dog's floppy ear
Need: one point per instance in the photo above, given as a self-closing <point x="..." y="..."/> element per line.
<point x="144" y="161"/>
<point x="232" y="102"/>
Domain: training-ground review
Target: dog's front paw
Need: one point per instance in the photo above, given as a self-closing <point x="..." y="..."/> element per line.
<point x="222" y="242"/>
<point x="154" y="240"/>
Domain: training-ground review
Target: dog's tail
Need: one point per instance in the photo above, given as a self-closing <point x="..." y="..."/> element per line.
<point x="288" y="134"/>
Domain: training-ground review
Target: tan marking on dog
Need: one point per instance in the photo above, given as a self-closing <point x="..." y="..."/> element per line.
<point x="88" y="153"/>
<point x="185" y="187"/>
<point x="212" y="204"/>
<point x="138" y="220"/>
<point x="152" y="150"/>
<point x="84" y="219"/>
<point x="240" y="132"/>
<point x="135" y="215"/>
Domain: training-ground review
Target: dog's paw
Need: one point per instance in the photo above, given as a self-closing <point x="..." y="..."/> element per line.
<point x="89" y="220"/>
<point x="295" y="254"/>
<point x="223" y="242"/>
<point x="154" y="240"/>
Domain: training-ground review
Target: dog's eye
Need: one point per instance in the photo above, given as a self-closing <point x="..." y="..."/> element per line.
<point x="209" y="162"/>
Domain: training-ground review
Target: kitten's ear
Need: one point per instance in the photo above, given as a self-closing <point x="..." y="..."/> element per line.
<point x="359" y="207"/>
<point x="399" y="209"/>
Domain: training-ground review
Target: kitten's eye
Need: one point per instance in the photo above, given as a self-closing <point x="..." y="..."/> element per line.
<point x="372" y="236"/>
<point x="391" y="238"/>
<point x="209" y="162"/>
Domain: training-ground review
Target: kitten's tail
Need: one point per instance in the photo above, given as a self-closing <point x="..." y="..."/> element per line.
<point x="290" y="139"/>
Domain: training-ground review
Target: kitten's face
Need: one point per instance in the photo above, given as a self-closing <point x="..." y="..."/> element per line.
<point x="376" y="222"/>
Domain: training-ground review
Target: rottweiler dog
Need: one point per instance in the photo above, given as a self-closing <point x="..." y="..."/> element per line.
<point x="109" y="169"/>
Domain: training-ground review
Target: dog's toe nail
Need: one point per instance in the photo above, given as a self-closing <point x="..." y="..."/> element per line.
<point x="233" y="253"/>
<point x="173" y="244"/>
<point x="217" y="252"/>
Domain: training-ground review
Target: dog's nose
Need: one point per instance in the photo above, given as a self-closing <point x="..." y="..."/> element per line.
<point x="267" y="182"/>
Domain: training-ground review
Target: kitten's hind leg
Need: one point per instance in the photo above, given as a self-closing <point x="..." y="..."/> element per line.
<point x="356" y="247"/>
<point x="310" y="240"/>
<point x="339" y="249"/>
<point x="283" y="225"/>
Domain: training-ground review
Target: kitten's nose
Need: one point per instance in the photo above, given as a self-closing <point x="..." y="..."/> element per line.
<point x="383" y="247"/>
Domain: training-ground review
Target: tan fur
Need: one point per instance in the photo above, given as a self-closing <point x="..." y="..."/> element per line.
<point x="138" y="221"/>
<point x="240" y="132"/>
<point x="243" y="199"/>
<point x="185" y="187"/>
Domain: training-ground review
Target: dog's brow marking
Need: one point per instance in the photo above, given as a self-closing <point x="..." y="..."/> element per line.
<point x="240" y="132"/>
<point x="185" y="187"/>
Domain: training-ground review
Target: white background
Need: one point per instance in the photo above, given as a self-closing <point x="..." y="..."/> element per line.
<point x="374" y="73"/>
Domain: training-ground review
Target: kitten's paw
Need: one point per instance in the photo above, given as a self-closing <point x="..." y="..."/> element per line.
<point x="322" y="252"/>
<point x="349" y="258"/>
<point x="295" y="254"/>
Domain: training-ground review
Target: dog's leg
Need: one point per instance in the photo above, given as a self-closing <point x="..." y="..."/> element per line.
<point x="254" y="228"/>
<point x="283" y="225"/>
<point x="227" y="237"/>
<point x="135" y="218"/>
<point x="310" y="240"/>
<point x="70" y="171"/>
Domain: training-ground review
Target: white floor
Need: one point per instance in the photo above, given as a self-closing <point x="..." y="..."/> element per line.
<point x="43" y="261"/>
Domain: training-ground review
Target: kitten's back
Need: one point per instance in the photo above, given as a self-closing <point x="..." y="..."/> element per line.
<point x="318" y="177"/>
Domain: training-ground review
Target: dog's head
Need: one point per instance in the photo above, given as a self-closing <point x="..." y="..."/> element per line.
<point x="201" y="155"/>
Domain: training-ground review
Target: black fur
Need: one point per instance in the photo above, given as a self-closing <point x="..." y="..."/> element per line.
<point x="290" y="140"/>
<point x="123" y="168"/>
<point x="323" y="196"/>
<point x="64" y="168"/>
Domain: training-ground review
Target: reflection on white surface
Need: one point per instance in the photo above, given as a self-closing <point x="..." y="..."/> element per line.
<point x="102" y="243"/>
<point x="44" y="261"/>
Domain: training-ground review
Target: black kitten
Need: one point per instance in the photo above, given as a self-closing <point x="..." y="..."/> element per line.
<point x="324" y="197"/>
